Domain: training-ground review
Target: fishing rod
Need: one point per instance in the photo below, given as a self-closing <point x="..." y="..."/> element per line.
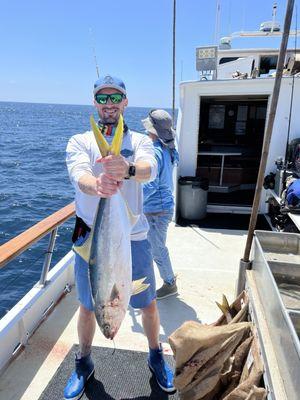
<point x="94" y="52"/>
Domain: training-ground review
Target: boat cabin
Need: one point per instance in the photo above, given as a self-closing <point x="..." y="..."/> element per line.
<point x="222" y="119"/>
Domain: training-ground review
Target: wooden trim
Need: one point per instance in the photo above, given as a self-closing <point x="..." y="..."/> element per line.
<point x="20" y="243"/>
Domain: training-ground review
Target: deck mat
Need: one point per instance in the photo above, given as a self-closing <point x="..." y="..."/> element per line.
<point x="123" y="375"/>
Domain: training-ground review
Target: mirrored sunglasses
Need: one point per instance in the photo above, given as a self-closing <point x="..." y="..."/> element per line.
<point x="115" y="98"/>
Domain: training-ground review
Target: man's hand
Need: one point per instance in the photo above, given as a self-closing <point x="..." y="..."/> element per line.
<point x="115" y="167"/>
<point x="106" y="186"/>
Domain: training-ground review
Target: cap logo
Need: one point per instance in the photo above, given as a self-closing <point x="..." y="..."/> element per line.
<point x="108" y="80"/>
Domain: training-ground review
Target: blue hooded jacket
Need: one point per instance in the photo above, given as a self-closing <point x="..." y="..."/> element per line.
<point x="158" y="194"/>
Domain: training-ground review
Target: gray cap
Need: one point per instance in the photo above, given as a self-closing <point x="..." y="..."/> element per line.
<point x="159" y="122"/>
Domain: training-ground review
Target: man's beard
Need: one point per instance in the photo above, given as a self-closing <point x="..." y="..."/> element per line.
<point x="109" y="116"/>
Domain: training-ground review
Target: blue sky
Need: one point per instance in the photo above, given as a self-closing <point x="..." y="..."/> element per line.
<point x="46" y="46"/>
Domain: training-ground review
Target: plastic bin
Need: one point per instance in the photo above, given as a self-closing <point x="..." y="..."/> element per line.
<point x="193" y="197"/>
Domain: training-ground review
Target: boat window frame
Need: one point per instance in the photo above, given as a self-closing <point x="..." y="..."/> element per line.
<point x="260" y="61"/>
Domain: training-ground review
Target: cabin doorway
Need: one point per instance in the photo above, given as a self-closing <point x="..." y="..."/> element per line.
<point x="231" y="131"/>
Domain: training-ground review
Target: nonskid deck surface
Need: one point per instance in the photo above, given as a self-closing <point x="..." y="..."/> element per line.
<point x="206" y="262"/>
<point x="125" y="376"/>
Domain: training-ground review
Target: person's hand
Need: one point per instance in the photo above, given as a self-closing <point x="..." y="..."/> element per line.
<point x="116" y="167"/>
<point x="106" y="186"/>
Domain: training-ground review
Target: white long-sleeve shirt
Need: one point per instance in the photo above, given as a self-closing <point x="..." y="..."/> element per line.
<point x="82" y="153"/>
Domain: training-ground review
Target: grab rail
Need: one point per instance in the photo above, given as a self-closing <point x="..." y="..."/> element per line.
<point x="20" y="243"/>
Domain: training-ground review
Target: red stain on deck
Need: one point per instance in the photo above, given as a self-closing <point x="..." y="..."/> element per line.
<point x="57" y="350"/>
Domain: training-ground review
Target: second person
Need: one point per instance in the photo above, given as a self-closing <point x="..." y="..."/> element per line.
<point x="158" y="196"/>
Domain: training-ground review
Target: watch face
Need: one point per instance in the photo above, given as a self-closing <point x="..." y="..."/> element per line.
<point x="131" y="170"/>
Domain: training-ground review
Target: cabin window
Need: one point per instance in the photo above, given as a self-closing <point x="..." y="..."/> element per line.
<point x="231" y="131"/>
<point x="224" y="60"/>
<point x="216" y="117"/>
<point x="267" y="64"/>
<point x="241" y="120"/>
<point x="232" y="121"/>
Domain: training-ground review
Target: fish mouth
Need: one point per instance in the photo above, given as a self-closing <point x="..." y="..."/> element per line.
<point x="109" y="332"/>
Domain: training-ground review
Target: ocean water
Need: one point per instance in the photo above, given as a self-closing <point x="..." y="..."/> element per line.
<point x="34" y="182"/>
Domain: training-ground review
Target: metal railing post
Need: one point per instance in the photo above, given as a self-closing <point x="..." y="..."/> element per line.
<point x="48" y="258"/>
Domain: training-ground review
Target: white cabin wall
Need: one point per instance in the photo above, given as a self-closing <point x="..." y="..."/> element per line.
<point x="281" y="122"/>
<point x="188" y="133"/>
<point x="280" y="128"/>
<point x="295" y="117"/>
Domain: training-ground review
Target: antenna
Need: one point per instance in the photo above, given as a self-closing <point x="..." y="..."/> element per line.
<point x="229" y="18"/>
<point x="274" y="12"/>
<point x="217" y="23"/>
<point x="94" y="52"/>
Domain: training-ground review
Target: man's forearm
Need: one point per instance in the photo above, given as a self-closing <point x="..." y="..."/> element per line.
<point x="142" y="171"/>
<point x="87" y="184"/>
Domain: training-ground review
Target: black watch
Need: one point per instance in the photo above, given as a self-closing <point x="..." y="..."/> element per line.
<point x="131" y="171"/>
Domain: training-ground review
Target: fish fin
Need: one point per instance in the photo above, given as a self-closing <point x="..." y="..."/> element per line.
<point x="114" y="293"/>
<point x="133" y="218"/>
<point x="225" y="302"/>
<point x="221" y="307"/>
<point x="225" y="308"/>
<point x="84" y="250"/>
<point x="139" y="286"/>
<point x="116" y="145"/>
<point x="100" y="139"/>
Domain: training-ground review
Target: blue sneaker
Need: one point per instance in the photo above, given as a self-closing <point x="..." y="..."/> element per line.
<point x="161" y="370"/>
<point x="84" y="369"/>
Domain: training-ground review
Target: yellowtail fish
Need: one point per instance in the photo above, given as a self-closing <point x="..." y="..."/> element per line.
<point x="108" y="251"/>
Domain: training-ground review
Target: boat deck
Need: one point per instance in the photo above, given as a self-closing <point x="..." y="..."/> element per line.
<point x="206" y="262"/>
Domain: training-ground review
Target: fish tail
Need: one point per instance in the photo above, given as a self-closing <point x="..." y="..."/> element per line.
<point x="139" y="286"/>
<point x="118" y="137"/>
<point x="225" y="302"/>
<point x="100" y="139"/>
<point x="225" y="308"/>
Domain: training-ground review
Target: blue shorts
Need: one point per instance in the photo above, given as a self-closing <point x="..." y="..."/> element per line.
<point x="142" y="266"/>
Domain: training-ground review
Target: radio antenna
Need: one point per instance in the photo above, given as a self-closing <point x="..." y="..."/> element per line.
<point x="94" y="52"/>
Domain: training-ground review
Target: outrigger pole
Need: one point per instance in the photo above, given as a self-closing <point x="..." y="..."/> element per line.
<point x="244" y="262"/>
<point x="174" y="59"/>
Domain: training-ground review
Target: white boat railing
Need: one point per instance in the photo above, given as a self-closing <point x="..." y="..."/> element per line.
<point x="20" y="243"/>
<point x="23" y="319"/>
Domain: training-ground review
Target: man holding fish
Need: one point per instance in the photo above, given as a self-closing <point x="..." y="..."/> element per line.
<point x="107" y="167"/>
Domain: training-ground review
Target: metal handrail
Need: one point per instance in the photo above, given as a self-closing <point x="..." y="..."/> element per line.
<point x="20" y="243"/>
<point x="222" y="155"/>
